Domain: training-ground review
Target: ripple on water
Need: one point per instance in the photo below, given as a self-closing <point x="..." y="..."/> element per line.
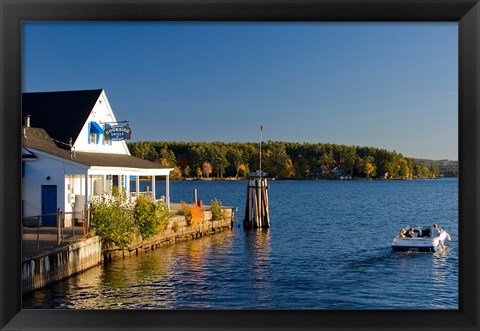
<point x="328" y="248"/>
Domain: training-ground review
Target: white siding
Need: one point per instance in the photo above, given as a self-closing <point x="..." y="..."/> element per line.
<point x="101" y="113"/>
<point x="36" y="172"/>
<point x="75" y="192"/>
<point x="69" y="176"/>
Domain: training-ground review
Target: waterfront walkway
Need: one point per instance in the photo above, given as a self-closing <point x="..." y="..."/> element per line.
<point x="47" y="239"/>
<point x="47" y="236"/>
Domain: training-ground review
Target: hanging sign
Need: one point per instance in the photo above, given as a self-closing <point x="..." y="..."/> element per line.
<point x="118" y="132"/>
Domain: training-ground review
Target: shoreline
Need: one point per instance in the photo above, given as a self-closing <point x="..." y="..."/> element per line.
<point x="228" y="179"/>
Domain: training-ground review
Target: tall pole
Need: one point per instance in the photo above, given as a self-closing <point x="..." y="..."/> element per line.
<point x="261" y="131"/>
<point x="256" y="206"/>
<point x="260" y="214"/>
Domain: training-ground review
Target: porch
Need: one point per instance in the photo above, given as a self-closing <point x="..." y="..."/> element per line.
<point x="97" y="182"/>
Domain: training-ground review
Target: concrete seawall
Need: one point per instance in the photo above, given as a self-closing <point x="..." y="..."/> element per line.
<point x="69" y="260"/>
<point x="62" y="263"/>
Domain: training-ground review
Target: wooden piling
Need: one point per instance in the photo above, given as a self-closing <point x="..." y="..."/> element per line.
<point x="256" y="208"/>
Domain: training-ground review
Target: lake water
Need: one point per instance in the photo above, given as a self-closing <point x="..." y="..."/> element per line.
<point x="328" y="248"/>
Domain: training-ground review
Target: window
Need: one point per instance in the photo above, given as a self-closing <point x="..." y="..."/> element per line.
<point x="93" y="138"/>
<point x="94" y="132"/>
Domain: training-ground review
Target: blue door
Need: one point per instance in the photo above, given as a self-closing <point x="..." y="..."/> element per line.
<point x="49" y="204"/>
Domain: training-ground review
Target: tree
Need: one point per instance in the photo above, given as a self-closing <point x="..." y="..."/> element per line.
<point x="217" y="154"/>
<point x="234" y="158"/>
<point x="302" y="166"/>
<point x="275" y="158"/>
<point x="242" y="170"/>
<point x="281" y="158"/>
<point x="135" y="149"/>
<point x="206" y="169"/>
<point x="348" y="156"/>
<point x="288" y="169"/>
<point x="359" y="165"/>
<point x="176" y="173"/>
<point x="383" y="157"/>
<point x="392" y="168"/>
<point x="186" y="171"/>
<point x="166" y="157"/>
<point x="142" y="150"/>
<point x="325" y="161"/>
<point x="250" y="155"/>
<point x="197" y="155"/>
<point x="421" y="171"/>
<point x="369" y="167"/>
<point x="404" y="170"/>
<point x="434" y="170"/>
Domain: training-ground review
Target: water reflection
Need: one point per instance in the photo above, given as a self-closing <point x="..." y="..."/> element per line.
<point x="443" y="272"/>
<point x="258" y="250"/>
<point x="317" y="255"/>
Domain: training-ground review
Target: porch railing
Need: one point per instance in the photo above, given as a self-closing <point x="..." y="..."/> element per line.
<point x="141" y="194"/>
<point x="70" y="226"/>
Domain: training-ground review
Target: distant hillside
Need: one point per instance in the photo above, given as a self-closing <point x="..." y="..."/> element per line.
<point x="446" y="168"/>
<point x="287" y="160"/>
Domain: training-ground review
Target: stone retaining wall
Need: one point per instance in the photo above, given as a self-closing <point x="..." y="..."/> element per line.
<point x="177" y="230"/>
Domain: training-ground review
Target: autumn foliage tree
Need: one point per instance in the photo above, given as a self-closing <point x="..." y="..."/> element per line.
<point x="207" y="169"/>
<point x="369" y="167"/>
<point x="283" y="160"/>
<point x="242" y="170"/>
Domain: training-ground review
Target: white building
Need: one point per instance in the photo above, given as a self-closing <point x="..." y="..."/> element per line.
<point x="73" y="148"/>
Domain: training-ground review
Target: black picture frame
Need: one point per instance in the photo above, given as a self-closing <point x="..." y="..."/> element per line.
<point x="465" y="12"/>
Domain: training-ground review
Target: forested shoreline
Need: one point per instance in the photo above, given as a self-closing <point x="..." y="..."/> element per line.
<point x="287" y="160"/>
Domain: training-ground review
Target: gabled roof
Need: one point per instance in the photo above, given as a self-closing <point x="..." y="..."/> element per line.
<point x="61" y="114"/>
<point x="38" y="138"/>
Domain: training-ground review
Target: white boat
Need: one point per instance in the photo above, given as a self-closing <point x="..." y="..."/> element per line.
<point x="421" y="240"/>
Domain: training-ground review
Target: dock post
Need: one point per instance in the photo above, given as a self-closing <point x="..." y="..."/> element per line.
<point x="59" y="225"/>
<point x="256" y="207"/>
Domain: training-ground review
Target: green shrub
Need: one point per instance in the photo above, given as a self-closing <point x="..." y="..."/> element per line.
<point x="150" y="217"/>
<point x="163" y="215"/>
<point x="112" y="219"/>
<point x="217" y="210"/>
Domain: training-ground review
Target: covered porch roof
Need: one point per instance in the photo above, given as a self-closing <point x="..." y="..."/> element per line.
<point x="97" y="163"/>
<point x="101" y="164"/>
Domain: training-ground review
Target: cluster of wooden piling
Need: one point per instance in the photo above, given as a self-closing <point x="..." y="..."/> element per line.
<point x="256" y="209"/>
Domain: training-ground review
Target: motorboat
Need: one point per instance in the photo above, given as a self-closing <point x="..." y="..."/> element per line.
<point x="420" y="239"/>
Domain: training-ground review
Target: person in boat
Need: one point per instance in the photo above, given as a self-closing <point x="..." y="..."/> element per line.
<point x="410" y="233"/>
<point x="401" y="234"/>
<point x="435" y="230"/>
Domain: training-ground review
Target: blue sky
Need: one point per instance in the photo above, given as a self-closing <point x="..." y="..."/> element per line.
<point x="386" y="85"/>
